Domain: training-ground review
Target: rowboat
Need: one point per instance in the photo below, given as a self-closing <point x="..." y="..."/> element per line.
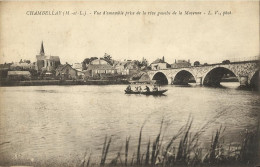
<point x="157" y="92"/>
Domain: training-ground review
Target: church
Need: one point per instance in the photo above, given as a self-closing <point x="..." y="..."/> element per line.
<point x="46" y="63"/>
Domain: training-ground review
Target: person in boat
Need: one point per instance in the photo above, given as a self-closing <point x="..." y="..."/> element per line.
<point x="140" y="89"/>
<point x="155" y="88"/>
<point x="147" y="88"/>
<point x="128" y="88"/>
<point x="136" y="88"/>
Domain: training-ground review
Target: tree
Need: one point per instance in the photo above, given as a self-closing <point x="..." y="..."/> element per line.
<point x="108" y="58"/>
<point x="225" y="62"/>
<point x="144" y="62"/>
<point x="138" y="63"/>
<point x="27" y="61"/>
<point x="87" y="61"/>
<point x="196" y="63"/>
<point x="33" y="72"/>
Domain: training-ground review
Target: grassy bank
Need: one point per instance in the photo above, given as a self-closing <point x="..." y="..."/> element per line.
<point x="188" y="151"/>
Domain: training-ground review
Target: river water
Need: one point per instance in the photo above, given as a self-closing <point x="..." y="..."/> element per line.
<point x="40" y="123"/>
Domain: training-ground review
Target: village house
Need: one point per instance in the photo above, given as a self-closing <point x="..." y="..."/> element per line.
<point x="127" y="67"/>
<point x="133" y="67"/>
<point x="121" y="68"/>
<point x="100" y="66"/>
<point x="99" y="69"/>
<point x="159" y="64"/>
<point x="46" y="63"/>
<point x="77" y="66"/>
<point x="181" y="64"/>
<point x="66" y="72"/>
<point x="19" y="75"/>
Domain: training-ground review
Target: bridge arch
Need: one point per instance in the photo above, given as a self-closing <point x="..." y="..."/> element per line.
<point x="214" y="76"/>
<point x="183" y="77"/>
<point x="161" y="78"/>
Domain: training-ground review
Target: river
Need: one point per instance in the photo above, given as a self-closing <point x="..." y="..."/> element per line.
<point x="44" y="123"/>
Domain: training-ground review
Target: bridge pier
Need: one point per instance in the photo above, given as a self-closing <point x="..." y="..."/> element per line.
<point x="199" y="80"/>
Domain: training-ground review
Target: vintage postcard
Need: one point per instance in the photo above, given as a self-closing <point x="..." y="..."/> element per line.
<point x="129" y="83"/>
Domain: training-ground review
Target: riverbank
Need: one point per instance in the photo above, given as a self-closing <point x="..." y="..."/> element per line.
<point x="62" y="82"/>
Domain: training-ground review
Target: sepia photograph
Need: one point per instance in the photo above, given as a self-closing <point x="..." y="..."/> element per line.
<point x="129" y="83"/>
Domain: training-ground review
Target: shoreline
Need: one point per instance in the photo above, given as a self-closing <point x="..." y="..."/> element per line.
<point x="94" y="82"/>
<point x="61" y="83"/>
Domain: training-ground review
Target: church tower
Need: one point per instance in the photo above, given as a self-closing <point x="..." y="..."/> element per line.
<point x="46" y="63"/>
<point x="42" y="50"/>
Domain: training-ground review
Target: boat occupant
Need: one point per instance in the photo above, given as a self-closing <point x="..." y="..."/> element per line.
<point x="140" y="89"/>
<point x="155" y="88"/>
<point x="147" y="89"/>
<point x="128" y="88"/>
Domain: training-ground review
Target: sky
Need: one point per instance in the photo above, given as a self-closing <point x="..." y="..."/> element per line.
<point x="206" y="38"/>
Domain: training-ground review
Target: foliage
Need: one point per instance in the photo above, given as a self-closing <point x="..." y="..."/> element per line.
<point x="108" y="59"/>
<point x="196" y="63"/>
<point x="189" y="152"/>
<point x="87" y="61"/>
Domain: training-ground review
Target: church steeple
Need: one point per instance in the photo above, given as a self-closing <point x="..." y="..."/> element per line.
<point x="42" y="49"/>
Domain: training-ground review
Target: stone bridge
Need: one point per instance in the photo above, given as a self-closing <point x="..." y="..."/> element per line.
<point x="246" y="72"/>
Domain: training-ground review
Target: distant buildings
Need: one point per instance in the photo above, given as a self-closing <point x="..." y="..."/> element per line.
<point x="121" y="68"/>
<point x="196" y="63"/>
<point x="181" y="64"/>
<point x="159" y="64"/>
<point x="47" y="66"/>
<point x="22" y="66"/>
<point x="66" y="72"/>
<point x="46" y="63"/>
<point x="126" y="67"/>
<point x="77" y="66"/>
<point x="99" y="67"/>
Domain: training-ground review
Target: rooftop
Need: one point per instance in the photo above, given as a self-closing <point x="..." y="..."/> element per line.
<point x="100" y="67"/>
<point x="158" y="61"/>
<point x="60" y="67"/>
